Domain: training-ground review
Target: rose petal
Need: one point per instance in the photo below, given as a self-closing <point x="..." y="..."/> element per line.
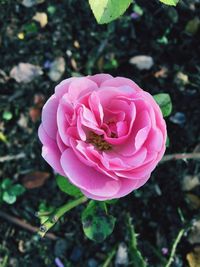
<point x="60" y="143"/>
<point x="96" y="107"/>
<point x="50" y="151"/>
<point x="62" y="87"/>
<point x="49" y="112"/>
<point x="155" y="140"/>
<point x="100" y="78"/>
<point x="44" y="137"/>
<point x="64" y="113"/>
<point x="79" y="87"/>
<point x="121" y="82"/>
<point x="87" y="178"/>
<point x="52" y="156"/>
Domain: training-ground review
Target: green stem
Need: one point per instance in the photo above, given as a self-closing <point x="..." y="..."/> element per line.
<point x="175" y="244"/>
<point x="107" y="262"/>
<point x="58" y="213"/>
<point x="5" y="261"/>
<point x="137" y="259"/>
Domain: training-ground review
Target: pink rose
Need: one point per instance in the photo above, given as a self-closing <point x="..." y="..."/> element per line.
<point x="105" y="134"/>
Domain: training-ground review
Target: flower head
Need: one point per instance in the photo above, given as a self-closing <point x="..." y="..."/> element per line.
<point x="105" y="134"/>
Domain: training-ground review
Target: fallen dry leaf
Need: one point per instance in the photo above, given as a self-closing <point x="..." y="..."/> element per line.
<point x="182" y="78"/>
<point x="3" y="77"/>
<point x="23" y="121"/>
<point x="194" y="234"/>
<point x="30" y="3"/>
<point x="76" y="44"/>
<point x="21" y="246"/>
<point x="142" y="62"/>
<point x="35" y="179"/>
<point x="74" y="64"/>
<point x="162" y="73"/>
<point x="189" y="182"/>
<point x="193" y="257"/>
<point x="25" y="72"/>
<point x="34" y="113"/>
<point x="192" y="26"/>
<point x="193" y="201"/>
<point x="100" y="63"/>
<point x="42" y="18"/>
<point x="57" y="69"/>
<point x="39" y="100"/>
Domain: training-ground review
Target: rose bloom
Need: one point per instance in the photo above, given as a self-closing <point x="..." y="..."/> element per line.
<point x="105" y="134"/>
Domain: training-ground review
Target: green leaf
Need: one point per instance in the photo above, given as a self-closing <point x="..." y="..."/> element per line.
<point x="112" y="64"/>
<point x="170" y="2"/>
<point x="6" y="183"/>
<point x="30" y="28"/>
<point x="51" y="9"/>
<point x="9" y="197"/>
<point x="97" y="224"/>
<point x="137" y="9"/>
<point x="164" y="101"/>
<point x="193" y="26"/>
<point x="112" y="201"/>
<point x="67" y="187"/>
<point x="167" y="142"/>
<point x="106" y="11"/>
<point x="10" y="191"/>
<point x="17" y="190"/>
<point x="7" y="115"/>
<point x="3" y="138"/>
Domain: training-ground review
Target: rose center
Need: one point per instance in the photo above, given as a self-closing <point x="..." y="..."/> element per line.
<point x="98" y="141"/>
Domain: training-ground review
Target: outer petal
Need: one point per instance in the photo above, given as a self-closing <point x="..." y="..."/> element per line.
<point x="100" y="78"/>
<point x="127" y="186"/>
<point x="121" y="82"/>
<point x="62" y="87"/>
<point x="79" y="87"/>
<point x="87" y="178"/>
<point x="50" y="151"/>
<point x="64" y="112"/>
<point x="49" y="112"/>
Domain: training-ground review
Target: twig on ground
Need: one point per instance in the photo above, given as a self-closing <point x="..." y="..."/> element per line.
<point x="181" y="156"/>
<point x="12" y="157"/>
<point x="24" y="225"/>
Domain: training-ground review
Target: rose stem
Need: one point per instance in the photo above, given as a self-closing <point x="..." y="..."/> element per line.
<point x="58" y="213"/>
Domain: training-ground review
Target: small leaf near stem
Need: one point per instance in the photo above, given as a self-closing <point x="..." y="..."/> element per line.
<point x="164" y="102"/>
<point x="170" y="2"/>
<point x="97" y="223"/>
<point x="59" y="212"/>
<point x="106" y="11"/>
<point x="66" y="187"/>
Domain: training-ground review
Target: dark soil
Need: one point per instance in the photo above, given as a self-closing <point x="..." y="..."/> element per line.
<point x="154" y="208"/>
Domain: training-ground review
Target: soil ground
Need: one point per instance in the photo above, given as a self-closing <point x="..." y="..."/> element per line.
<point x="89" y="48"/>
